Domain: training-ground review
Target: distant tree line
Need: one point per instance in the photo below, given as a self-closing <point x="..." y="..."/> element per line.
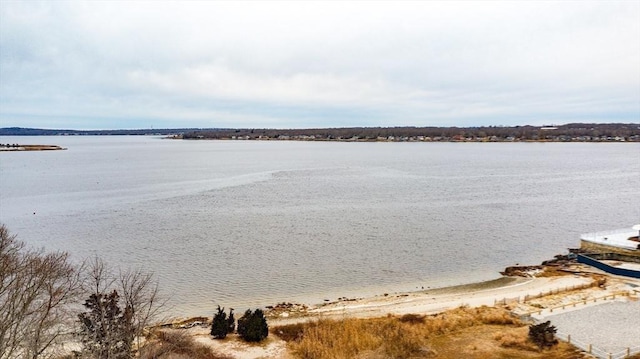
<point x="524" y="133"/>
<point x="21" y="131"/>
<point x="579" y="131"/>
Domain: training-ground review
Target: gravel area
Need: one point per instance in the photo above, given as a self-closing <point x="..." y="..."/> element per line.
<point x="611" y="326"/>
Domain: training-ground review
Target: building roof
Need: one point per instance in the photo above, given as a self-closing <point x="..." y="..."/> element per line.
<point x="627" y="238"/>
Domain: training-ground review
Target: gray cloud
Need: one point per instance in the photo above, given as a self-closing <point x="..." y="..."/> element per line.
<point x="290" y="64"/>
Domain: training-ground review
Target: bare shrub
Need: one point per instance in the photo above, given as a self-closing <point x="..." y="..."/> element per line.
<point x="489" y="315"/>
<point x="290" y="332"/>
<point x="412" y="319"/>
<point x="177" y="344"/>
<point x="402" y="340"/>
<point x="36" y="290"/>
<point x="514" y="340"/>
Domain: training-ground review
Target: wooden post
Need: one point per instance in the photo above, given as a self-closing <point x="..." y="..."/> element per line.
<point x="628" y="351"/>
<point x="569" y="338"/>
<point x="589" y="349"/>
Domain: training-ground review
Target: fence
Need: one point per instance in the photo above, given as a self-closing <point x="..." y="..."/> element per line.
<point x="528" y="297"/>
<point x="588" y="347"/>
<point x="583" y="302"/>
<point x="593" y="350"/>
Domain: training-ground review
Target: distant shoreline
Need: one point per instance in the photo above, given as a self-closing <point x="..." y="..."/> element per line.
<point x="18" y="147"/>
<point x="572" y="132"/>
<point x="409" y="139"/>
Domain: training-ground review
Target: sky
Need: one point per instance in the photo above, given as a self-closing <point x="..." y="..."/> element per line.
<point x="267" y="64"/>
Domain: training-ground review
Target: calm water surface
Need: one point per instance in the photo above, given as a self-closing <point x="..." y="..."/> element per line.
<point x="245" y="224"/>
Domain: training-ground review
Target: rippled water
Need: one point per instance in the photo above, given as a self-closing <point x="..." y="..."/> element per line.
<point x="251" y="223"/>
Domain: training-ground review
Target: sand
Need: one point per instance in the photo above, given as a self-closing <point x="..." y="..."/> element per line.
<point x="434" y="301"/>
<point x="423" y="302"/>
<point x="490" y="293"/>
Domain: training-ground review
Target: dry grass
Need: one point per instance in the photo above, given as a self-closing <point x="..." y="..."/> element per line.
<point x="514" y="339"/>
<point x="499" y="342"/>
<point x="484" y="332"/>
<point x="390" y="337"/>
<point x="177" y="344"/>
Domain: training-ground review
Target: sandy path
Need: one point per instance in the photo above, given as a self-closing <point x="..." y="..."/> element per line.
<point x="438" y="300"/>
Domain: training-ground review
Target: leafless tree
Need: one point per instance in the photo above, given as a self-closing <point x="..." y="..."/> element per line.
<point x="141" y="297"/>
<point x="36" y="292"/>
<point x="120" y="306"/>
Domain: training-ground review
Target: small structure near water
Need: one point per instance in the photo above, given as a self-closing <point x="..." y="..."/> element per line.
<point x="616" y="251"/>
<point x="622" y="241"/>
<point x="614" y="263"/>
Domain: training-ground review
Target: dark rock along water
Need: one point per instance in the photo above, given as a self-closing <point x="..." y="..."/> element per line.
<point x="248" y="224"/>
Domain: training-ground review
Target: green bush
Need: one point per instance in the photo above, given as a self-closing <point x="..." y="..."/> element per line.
<point x="231" y="322"/>
<point x="221" y="325"/>
<point x="106" y="331"/>
<point x="252" y="327"/>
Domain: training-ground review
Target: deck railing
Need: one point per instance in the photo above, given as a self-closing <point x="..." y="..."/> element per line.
<point x="593" y="235"/>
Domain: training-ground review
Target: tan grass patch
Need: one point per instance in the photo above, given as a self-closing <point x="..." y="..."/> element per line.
<point x="484" y="332"/>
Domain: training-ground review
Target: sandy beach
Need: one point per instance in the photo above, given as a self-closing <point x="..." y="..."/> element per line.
<point x="543" y="294"/>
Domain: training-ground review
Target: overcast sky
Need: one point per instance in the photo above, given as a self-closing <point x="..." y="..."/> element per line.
<point x="138" y="64"/>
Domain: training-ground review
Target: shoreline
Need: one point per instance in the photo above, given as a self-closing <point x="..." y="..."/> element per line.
<point x="576" y="287"/>
<point x="17" y="147"/>
<point x="424" y="301"/>
<point x="431" y="301"/>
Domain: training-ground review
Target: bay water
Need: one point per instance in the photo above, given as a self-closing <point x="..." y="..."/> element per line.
<point x="251" y="223"/>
